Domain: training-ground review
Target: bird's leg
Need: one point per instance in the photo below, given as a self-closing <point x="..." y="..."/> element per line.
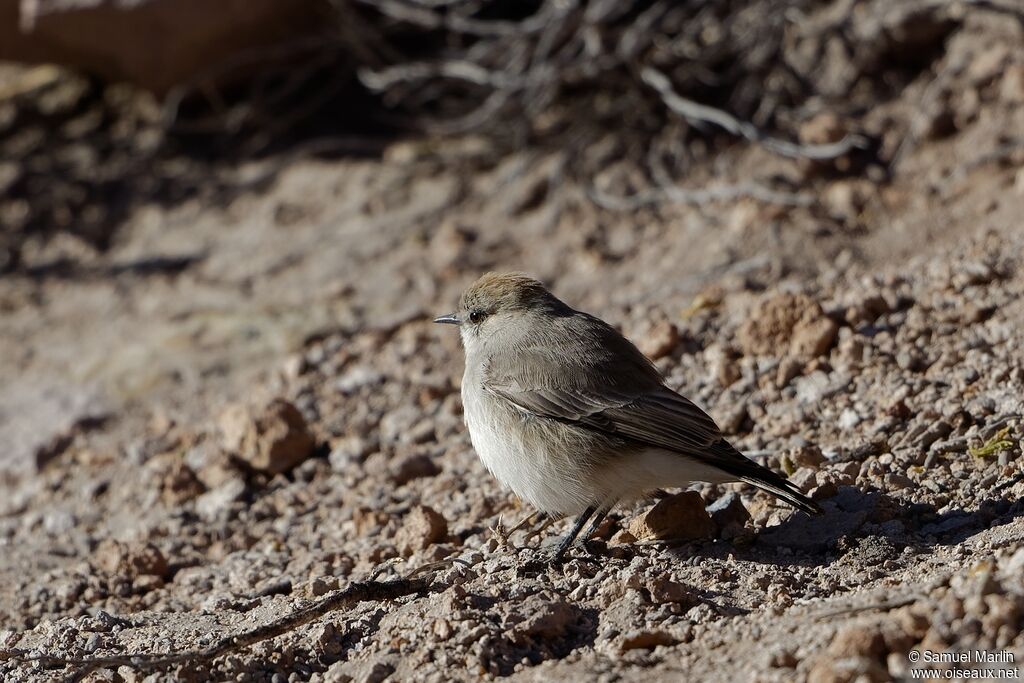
<point x="528" y="519"/>
<point x="567" y="540"/>
<point x="595" y="523"/>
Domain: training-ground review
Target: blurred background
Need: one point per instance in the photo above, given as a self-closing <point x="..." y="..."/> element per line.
<point x="808" y="212"/>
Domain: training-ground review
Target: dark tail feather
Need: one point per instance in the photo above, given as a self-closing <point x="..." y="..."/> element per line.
<point x="781" y="488"/>
<point x="746" y="470"/>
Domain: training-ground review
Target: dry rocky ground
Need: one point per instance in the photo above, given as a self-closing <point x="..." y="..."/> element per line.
<point x="200" y="452"/>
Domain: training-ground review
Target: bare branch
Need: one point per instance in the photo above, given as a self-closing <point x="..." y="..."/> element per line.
<point x="355" y="592"/>
<point x="702" y="113"/>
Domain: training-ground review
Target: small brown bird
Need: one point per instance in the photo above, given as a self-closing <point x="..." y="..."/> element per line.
<point x="567" y="413"/>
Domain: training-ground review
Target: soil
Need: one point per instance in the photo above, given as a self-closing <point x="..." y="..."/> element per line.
<point x="240" y="406"/>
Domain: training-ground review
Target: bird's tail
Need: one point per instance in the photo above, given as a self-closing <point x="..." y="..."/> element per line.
<point x="746" y="470"/>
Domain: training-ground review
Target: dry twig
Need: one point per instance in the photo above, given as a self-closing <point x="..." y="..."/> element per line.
<point x="355" y="592"/>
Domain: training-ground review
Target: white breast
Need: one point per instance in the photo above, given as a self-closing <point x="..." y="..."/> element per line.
<point x="535" y="469"/>
<point x="530" y="457"/>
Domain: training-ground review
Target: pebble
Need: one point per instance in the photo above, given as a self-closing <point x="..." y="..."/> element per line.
<point x="216" y="503"/>
<point x="271" y="438"/>
<point x="681" y="517"/>
<point x="728" y="513"/>
<point x="421" y="528"/>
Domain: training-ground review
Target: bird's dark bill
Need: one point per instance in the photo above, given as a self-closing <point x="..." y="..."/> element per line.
<point x="450" y="319"/>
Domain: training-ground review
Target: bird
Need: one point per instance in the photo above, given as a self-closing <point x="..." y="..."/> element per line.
<point x="568" y="414"/>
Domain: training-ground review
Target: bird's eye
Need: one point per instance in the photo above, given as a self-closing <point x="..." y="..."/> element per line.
<point x="476" y="316"/>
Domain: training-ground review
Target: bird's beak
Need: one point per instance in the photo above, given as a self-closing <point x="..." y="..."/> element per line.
<point x="450" y="319"/>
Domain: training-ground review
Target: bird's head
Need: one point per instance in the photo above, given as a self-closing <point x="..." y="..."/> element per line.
<point x="499" y="302"/>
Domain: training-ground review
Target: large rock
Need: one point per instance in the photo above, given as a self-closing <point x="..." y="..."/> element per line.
<point x="272" y="438"/>
<point x="681" y="517"/>
<point x="787" y="321"/>
<point x="156" y="44"/>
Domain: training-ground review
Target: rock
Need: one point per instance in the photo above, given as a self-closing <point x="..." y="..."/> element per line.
<point x="848" y="419"/>
<point x="847" y="670"/>
<point x="681" y="517"/>
<point x="130" y="561"/>
<point x="729" y="514"/>
<point x="858" y="641"/>
<point x="787" y="322"/>
<point x="814" y="337"/>
<point x="179" y="483"/>
<point x="658" y="340"/>
<point x="846" y="199"/>
<point x="911" y="360"/>
<point x="348" y="451"/>
<point x="988" y="64"/>
<point x="1012" y="87"/>
<point x="895" y="481"/>
<point x="547" y="616"/>
<point x="272" y="438"/>
<point x="216" y="503"/>
<point x="787" y="370"/>
<point x="822" y="129"/>
<point x="722" y="365"/>
<point x="804" y="478"/>
<point x="622" y="537"/>
<point x="156" y="44"/>
<point x="414" y="466"/>
<point x="645" y="640"/>
<point x="358" y="377"/>
<point x="806" y="456"/>
<point x="421" y="528"/>
<point x="664" y="589"/>
<point x="782" y="658"/>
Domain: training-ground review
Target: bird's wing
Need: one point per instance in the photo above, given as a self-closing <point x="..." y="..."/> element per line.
<point x="608" y="386"/>
<point x="611" y="390"/>
<point x="660" y="418"/>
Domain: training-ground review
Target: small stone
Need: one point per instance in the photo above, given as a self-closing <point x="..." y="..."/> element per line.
<point x="788" y="369"/>
<point x="822" y="129"/>
<point x="729" y="514"/>
<point x="806" y="456"/>
<point x="988" y="64"/>
<point x="814" y="337"/>
<point x="272" y="438"/>
<point x="356" y="378"/>
<point x="293" y="366"/>
<point x="722" y="365"/>
<point x="214" y="504"/>
<point x="664" y="590"/>
<point x="829" y="669"/>
<point x="416" y="466"/>
<point x="804" y="478"/>
<point x="911" y="360"/>
<point x="179" y="484"/>
<point x="645" y="640"/>
<point x="321" y="585"/>
<point x="130" y="561"/>
<point x="681" y="517"/>
<point x="787" y="322"/>
<point x="730" y="418"/>
<point x="622" y="537"/>
<point x="1012" y="87"/>
<point x="443" y="629"/>
<point x="895" y="481"/>
<point x="421" y="528"/>
<point x="347" y="452"/>
<point x="858" y="641"/>
<point x="547" y="616"/>
<point x="658" y="340"/>
<point x="848" y="419"/>
<point x="337" y="673"/>
<point x="781" y="658"/>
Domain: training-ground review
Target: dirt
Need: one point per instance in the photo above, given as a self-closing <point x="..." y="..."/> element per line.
<point x="197" y="451"/>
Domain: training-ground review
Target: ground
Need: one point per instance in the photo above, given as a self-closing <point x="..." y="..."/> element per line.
<point x="241" y="407"/>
